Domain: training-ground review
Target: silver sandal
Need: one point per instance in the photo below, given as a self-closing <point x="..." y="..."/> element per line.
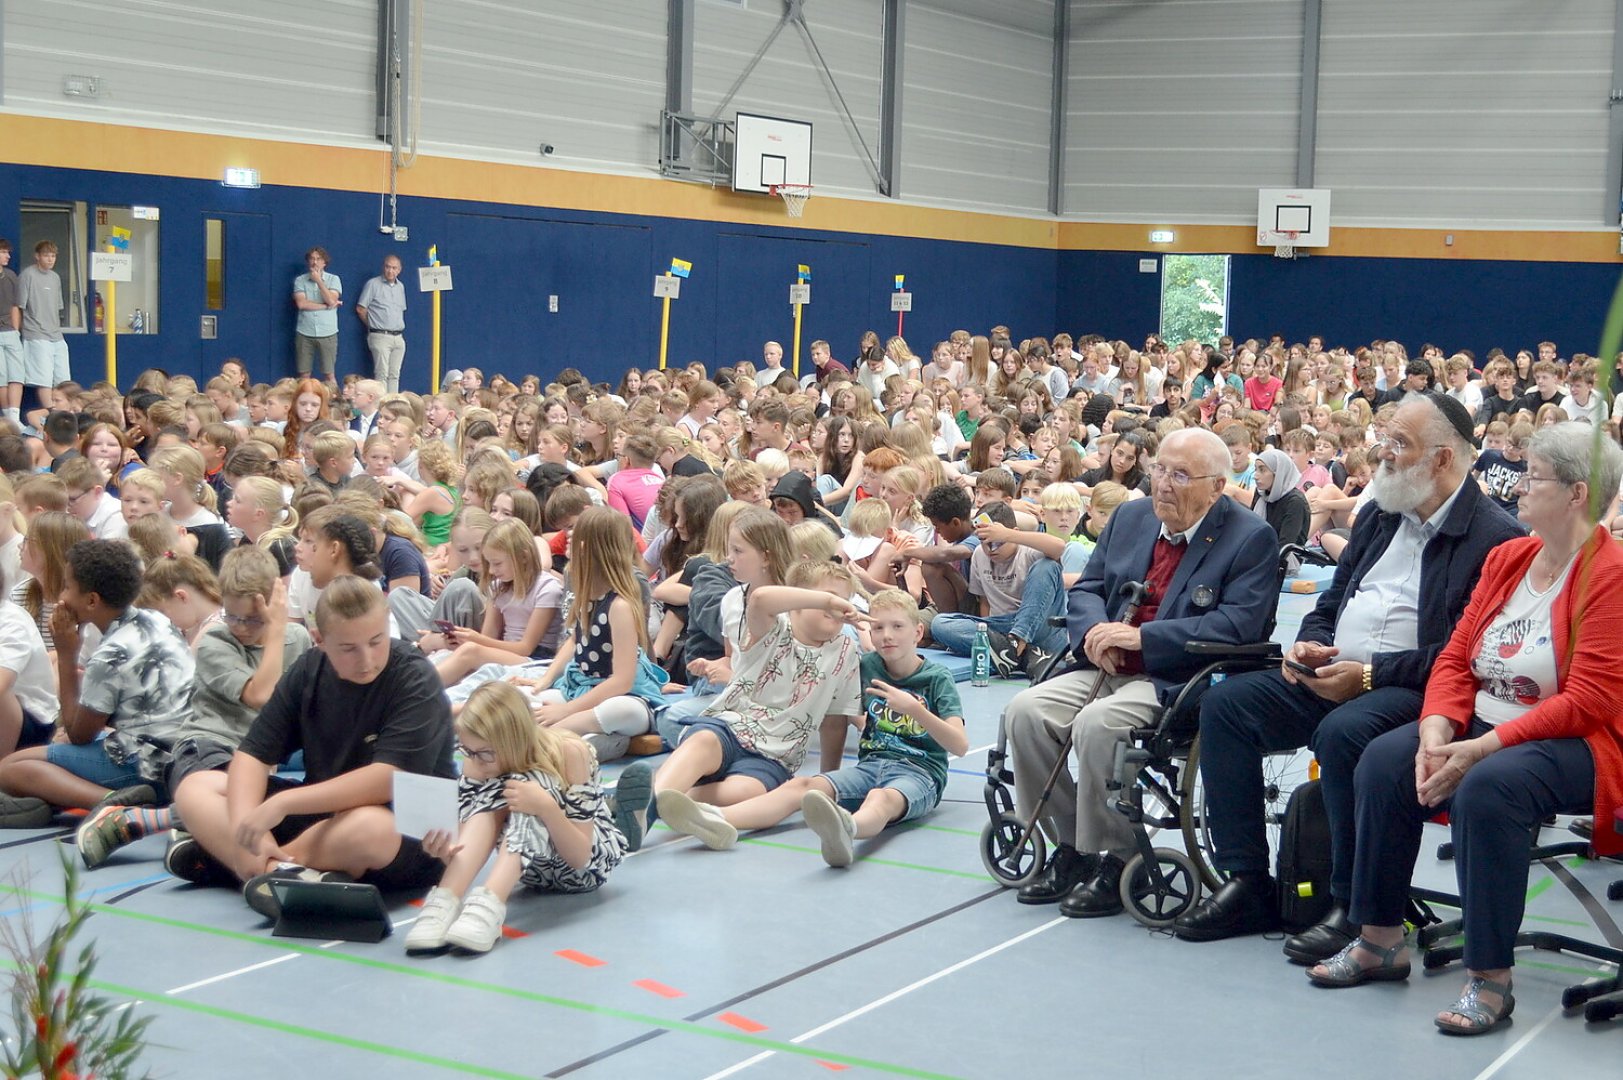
<point x="1341" y="970"/>
<point x="1479" y="1019"/>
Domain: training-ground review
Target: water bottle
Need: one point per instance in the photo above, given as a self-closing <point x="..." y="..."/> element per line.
<point x="980" y="657"/>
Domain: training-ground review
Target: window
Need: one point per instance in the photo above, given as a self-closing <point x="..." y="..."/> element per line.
<point x="214" y="263"/>
<point x="1194" y="298"/>
<point x="137" y="298"/>
<point x="63" y="224"/>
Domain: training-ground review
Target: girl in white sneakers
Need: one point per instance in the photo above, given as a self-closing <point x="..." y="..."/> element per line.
<point x="528" y="793"/>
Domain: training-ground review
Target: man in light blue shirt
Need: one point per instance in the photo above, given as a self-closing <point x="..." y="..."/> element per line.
<point x="317" y="295"/>
<point x="382" y="310"/>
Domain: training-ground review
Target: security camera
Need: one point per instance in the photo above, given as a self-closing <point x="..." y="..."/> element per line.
<point x="546" y="149"/>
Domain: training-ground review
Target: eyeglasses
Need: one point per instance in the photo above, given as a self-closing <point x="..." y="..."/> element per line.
<point x="487" y="756"/>
<point x="1528" y="480"/>
<point x="1399" y="445"/>
<point x="1179" y="477"/>
<point x="75" y="498"/>
<point x="247" y="622"/>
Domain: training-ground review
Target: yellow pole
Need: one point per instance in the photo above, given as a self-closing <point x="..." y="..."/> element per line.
<point x="110" y="324"/>
<point x="797" y="340"/>
<point x="664" y="332"/>
<point x="434" y="385"/>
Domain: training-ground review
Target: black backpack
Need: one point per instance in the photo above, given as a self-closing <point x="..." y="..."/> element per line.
<point x="1304" y="860"/>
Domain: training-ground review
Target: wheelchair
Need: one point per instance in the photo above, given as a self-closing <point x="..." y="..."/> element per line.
<point x="1158" y="787"/>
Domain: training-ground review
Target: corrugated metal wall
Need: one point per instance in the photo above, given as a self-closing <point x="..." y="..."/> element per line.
<point x="587" y="76"/>
<point x="789" y="83"/>
<point x="1490" y="112"/>
<point x="978" y="83"/>
<point x="1181" y="109"/>
<point x="295" y="69"/>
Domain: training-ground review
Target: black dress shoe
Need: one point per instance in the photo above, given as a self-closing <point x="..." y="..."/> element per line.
<point x="1243" y="905"/>
<point x="1323" y="941"/>
<point x="1100" y="895"/>
<point x="1067" y="868"/>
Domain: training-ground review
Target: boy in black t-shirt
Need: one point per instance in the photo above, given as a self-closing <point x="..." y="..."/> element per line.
<point x="361" y="706"/>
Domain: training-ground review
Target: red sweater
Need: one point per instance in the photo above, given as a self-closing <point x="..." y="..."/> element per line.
<point x="1587" y="627"/>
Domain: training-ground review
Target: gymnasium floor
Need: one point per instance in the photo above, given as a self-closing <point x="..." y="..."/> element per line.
<point x="765" y="962"/>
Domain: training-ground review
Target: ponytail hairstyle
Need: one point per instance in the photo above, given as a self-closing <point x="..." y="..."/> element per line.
<point x="186" y="465"/>
<point x="249" y="458"/>
<point x="498" y="713"/>
<point x="377" y="518"/>
<point x="171" y="571"/>
<point x="514" y="540"/>
<point x="50" y="534"/>
<point x="602" y="553"/>
<point x="334" y="524"/>
<point x="155" y="536"/>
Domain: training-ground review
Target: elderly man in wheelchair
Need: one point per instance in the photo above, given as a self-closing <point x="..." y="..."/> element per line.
<point x="1208" y="573"/>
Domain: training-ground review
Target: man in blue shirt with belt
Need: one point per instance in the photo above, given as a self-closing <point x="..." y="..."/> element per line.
<point x="316" y="294"/>
<point x="382" y="310"/>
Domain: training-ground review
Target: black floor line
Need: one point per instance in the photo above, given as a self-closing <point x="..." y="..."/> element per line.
<point x="36" y="839"/>
<point x="1597" y="911"/>
<point x="780" y="981"/>
<point x="127" y="893"/>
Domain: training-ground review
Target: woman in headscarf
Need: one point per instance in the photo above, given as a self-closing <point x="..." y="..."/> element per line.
<point x="1277" y="498"/>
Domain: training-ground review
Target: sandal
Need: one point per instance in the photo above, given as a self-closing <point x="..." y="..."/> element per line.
<point x="1341" y="970"/>
<point x="1479" y="1019"/>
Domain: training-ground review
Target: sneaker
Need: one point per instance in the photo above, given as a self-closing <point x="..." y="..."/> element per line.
<point x="1005" y="661"/>
<point x="186" y="859"/>
<point x="134" y="795"/>
<point x="632" y="793"/>
<point x="257" y="892"/>
<point x="440" y="909"/>
<point x="479" y="924"/>
<point x="834" y="826"/>
<point x="24" y="813"/>
<point x="1038" y="661"/>
<point x="103" y="832"/>
<point x="607" y="747"/>
<point x="697" y="819"/>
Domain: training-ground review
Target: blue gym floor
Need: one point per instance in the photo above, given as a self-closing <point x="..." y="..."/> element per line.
<point x="765" y="962"/>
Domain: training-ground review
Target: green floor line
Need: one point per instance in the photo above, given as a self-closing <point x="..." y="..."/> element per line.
<point x="1582" y="973"/>
<point x="870" y="861"/>
<point x="956" y="832"/>
<point x="1538" y="888"/>
<point x="1559" y="922"/>
<point x="411" y="971"/>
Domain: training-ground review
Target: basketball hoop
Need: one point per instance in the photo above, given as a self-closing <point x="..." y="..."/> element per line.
<point x="1286" y="250"/>
<point x="794" y="197"/>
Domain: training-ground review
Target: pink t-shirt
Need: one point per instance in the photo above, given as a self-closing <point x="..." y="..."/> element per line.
<point x="1260" y="395"/>
<point x="633" y="491"/>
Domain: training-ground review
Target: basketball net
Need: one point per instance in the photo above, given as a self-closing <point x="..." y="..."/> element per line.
<point x="794" y="197"/>
<point x="1286" y="250"/>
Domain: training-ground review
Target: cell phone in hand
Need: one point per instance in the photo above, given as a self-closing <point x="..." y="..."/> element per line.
<point x="1301" y="668"/>
<point x="446" y="627"/>
<point x="983" y="518"/>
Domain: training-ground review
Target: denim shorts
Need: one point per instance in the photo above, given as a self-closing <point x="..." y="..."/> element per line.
<point x="90" y="762"/>
<point x="735" y="759"/>
<point x="853" y="783"/>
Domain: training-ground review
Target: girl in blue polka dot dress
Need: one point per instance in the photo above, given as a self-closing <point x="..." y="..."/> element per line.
<point x="601" y="680"/>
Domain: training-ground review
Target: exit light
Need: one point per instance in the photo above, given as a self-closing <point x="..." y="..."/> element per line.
<point x="243" y="178"/>
<point x="1161" y="236"/>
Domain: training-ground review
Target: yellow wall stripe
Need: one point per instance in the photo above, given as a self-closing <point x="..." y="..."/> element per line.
<point x="77" y="144"/>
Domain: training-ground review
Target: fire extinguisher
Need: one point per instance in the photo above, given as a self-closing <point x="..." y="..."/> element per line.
<point x="101" y="315"/>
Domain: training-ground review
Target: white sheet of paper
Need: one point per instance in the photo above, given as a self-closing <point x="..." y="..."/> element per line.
<point x="423" y="804"/>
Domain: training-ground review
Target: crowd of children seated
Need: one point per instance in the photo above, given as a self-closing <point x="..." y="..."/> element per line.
<point x="213" y="591"/>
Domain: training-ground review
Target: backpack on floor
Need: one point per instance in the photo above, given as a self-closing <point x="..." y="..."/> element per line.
<point x="1303" y="869"/>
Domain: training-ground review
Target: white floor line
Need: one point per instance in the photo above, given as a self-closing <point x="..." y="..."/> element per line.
<point x="233" y="974"/>
<point x="978" y="749"/>
<point x="892" y="996"/>
<point x="1518" y="1046"/>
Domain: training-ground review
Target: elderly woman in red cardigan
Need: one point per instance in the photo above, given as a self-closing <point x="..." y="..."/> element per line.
<point x="1521" y="720"/>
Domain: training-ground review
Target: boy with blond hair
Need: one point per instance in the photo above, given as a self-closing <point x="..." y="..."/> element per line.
<point x="333" y="454"/>
<point x="911" y="721"/>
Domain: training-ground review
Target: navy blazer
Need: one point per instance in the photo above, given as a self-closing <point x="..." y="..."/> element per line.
<point x="1225" y="589"/>
<point x="1449" y="568"/>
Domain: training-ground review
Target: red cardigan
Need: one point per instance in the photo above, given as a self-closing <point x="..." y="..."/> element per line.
<point x="1587" y="631"/>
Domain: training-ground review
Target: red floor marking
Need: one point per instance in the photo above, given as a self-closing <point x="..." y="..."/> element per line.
<point x="580" y="958"/>
<point x="658" y="988"/>
<point x="742" y="1023"/>
<point x="835" y="1067"/>
<point x="507" y="931"/>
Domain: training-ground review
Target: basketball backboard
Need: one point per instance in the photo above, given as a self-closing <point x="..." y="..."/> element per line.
<point x="1303" y="211"/>
<point x="769" y="151"/>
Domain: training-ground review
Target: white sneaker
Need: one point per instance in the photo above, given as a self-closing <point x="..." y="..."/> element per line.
<point x="697" y="819"/>
<point x="480" y="922"/>
<point x="440" y="909"/>
<point x="834" y="826"/>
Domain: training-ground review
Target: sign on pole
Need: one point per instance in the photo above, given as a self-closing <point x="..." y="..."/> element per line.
<point x="433" y="279"/>
<point x="110" y="266"/>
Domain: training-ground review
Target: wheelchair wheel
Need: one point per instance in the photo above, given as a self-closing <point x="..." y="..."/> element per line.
<point x="1281" y="773"/>
<point x="1179" y="891"/>
<point x="1011" y="863"/>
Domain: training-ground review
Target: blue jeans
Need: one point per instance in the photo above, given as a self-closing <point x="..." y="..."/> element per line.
<point x="89" y="761"/>
<point x="1042" y="597"/>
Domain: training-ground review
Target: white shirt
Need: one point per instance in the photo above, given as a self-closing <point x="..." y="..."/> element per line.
<point x="1594" y="412"/>
<point x="22" y="651"/>
<point x="1470" y="396"/>
<point x="1515" y="663"/>
<point x="107" y="520"/>
<point x="875" y="380"/>
<point x="1384" y="614"/>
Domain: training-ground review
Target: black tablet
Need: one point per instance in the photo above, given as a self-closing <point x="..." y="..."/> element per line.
<point x="331" y="910"/>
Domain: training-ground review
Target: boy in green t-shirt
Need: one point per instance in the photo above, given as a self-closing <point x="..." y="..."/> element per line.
<point x="912" y="720"/>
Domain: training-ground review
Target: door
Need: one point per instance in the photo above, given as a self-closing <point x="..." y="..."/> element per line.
<point x="755" y="274"/>
<point x="236" y="291"/>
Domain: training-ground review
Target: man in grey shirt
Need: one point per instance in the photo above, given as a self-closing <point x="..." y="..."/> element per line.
<point x="45" y="353"/>
<point x="11" y="342"/>
<point x="316" y="294"/>
<point x="382" y="310"/>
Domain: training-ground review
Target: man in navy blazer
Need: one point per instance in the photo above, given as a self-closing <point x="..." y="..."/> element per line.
<point x="1403" y="581"/>
<point x="1211" y="568"/>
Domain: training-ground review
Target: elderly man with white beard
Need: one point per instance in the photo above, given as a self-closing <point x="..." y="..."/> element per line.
<point x="1370" y="641"/>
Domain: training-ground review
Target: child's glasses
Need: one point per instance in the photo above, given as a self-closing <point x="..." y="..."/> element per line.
<point x="487" y="756"/>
